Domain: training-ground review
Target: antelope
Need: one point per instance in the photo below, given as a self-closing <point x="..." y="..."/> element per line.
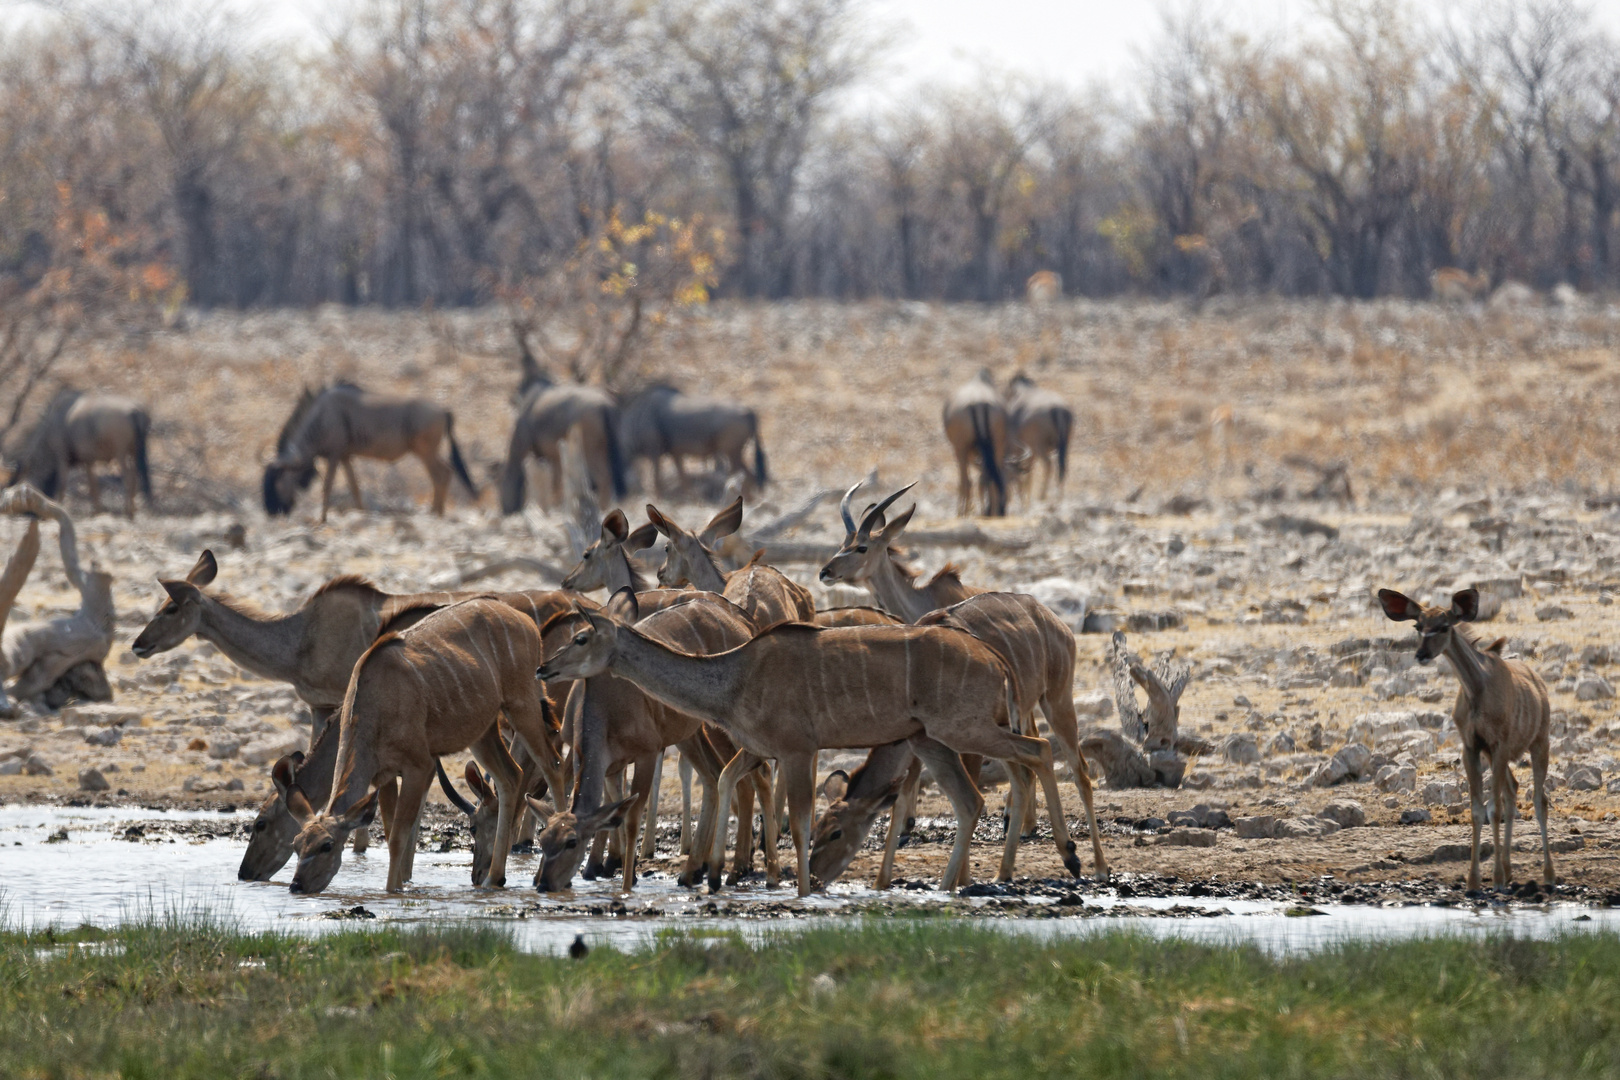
<point x="80" y="429"/>
<point x="547" y="414"/>
<point x="976" y="423"/>
<point x="1501" y="712"/>
<point x="797" y="689"/>
<point x="342" y="422"/>
<point x="1040" y="422"/>
<point x="1454" y="286"/>
<point x="661" y="421"/>
<point x="436" y="688"/>
<point x="1043" y="287"/>
<point x="870" y="560"/>
<point x="764" y="592"/>
<point x="620" y="725"/>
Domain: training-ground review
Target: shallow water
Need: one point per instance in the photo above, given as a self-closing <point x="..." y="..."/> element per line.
<point x="96" y="877"/>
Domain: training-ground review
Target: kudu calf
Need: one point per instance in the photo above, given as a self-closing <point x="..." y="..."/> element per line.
<point x="84" y="430"/>
<point x="797" y="689"/>
<point x="1501" y="713"/>
<point x="437" y="688"/>
<point x="343" y="422"/>
<point x="976" y="427"/>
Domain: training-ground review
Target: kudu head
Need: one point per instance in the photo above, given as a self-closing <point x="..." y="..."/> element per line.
<point x="596" y="641"/>
<point x="566" y="838"/>
<point x="270" y="843"/>
<point x="484" y="818"/>
<point x="179" y="616"/>
<point x="843" y="828"/>
<point x="1434" y="624"/>
<point x="684" y="552"/>
<point x="321" y="836"/>
<point x="867" y="543"/>
<point x="595" y="569"/>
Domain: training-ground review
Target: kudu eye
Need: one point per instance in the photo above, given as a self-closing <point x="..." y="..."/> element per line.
<point x="260" y="825"/>
<point x="326" y="847"/>
<point x="838" y="834"/>
<point x="861" y="549"/>
<point x="572" y="843"/>
<point x="581" y="638"/>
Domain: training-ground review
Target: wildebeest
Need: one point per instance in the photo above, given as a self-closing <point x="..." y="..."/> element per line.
<point x="84" y="429"/>
<point x="1040" y="422"/>
<point x="976" y="423"/>
<point x="660" y="420"/>
<point x="547" y="414"/>
<point x="341" y="422"/>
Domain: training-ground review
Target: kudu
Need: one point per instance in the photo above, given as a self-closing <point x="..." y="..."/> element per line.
<point x="1043" y="287"/>
<point x="765" y="593"/>
<point x="867" y="557"/>
<point x="437" y="688"/>
<point x="660" y="421"/>
<point x="797" y="689"/>
<point x="1501" y="713"/>
<point x="547" y="414"/>
<point x="81" y="429"/>
<point x="342" y="422"/>
<point x="620" y="725"/>
<point x="1453" y="286"/>
<point x="976" y="426"/>
<point x="1040" y="422"/>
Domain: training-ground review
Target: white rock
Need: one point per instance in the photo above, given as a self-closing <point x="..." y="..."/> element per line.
<point x="92" y="780"/>
<point x="264" y="751"/>
<point x="1593" y="688"/>
<point x="1347" y="813"/>
<point x="224" y="749"/>
<point x="1096" y="705"/>
<point x="99" y="715"/>
<point x="1585" y="778"/>
<point x="108" y="736"/>
<point x="1396" y="778"/>
<point x="1441" y="793"/>
<point x="1241" y="748"/>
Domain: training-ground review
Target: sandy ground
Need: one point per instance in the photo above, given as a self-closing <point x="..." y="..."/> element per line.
<point x="1480" y="450"/>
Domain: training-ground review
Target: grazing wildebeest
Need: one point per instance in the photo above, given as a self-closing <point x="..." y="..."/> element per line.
<point x="547" y="414"/>
<point x="1039" y="421"/>
<point x="976" y="423"/>
<point x="342" y="422"/>
<point x="660" y="421"/>
<point x="85" y="429"/>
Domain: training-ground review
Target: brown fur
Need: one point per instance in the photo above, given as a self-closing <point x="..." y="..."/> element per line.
<point x="85" y="430"/>
<point x="764" y="592"/>
<point x="976" y="427"/>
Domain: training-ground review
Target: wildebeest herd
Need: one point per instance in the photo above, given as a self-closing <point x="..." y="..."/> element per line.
<point x="568" y="705"/>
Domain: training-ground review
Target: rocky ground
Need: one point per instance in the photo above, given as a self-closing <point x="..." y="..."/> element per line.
<point x="1479" y="451"/>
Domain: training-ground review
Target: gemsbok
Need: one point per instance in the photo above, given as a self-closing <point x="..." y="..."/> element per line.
<point x="80" y="429"/>
<point x="437" y="688"/>
<point x="1501" y="712"/>
<point x="342" y="422"/>
<point x="547" y="414"/>
<point x="797" y="689"/>
<point x="1039" y="421"/>
<point x="661" y="421"/>
<point x="976" y="427"/>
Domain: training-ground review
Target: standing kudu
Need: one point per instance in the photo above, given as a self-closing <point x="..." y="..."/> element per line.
<point x="437" y="688"/>
<point x="547" y="414"/>
<point x="797" y="689"/>
<point x="976" y="426"/>
<point x="1040" y="422"/>
<point x="765" y="593"/>
<point x="343" y="422"/>
<point x="80" y="429"/>
<point x="867" y="557"/>
<point x="661" y="421"/>
<point x="1501" y="713"/>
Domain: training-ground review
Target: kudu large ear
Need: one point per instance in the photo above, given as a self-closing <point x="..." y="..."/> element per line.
<point x="475" y="780"/>
<point x="614" y="528"/>
<point x="605" y="817"/>
<point x="203" y="573"/>
<point x="891" y="531"/>
<point x="622" y="607"/>
<point x="298" y="805"/>
<point x="660" y="522"/>
<point x="1465" y="605"/>
<point x="1398" y="606"/>
<point x="361" y="813"/>
<point x="283" y="772"/>
<point x="722" y="524"/>
<point x="836" y="786"/>
<point x="180" y="591"/>
<point x="543" y="809"/>
<point x="641" y="538"/>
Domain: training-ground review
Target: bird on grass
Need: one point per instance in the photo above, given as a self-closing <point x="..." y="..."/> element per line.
<point x="578" y="950"/>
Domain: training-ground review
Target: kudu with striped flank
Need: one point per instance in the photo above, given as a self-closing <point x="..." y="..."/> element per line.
<point x="342" y="422"/>
<point x="797" y="689"/>
<point x="547" y="414"/>
<point x="1501" y="713"/>
<point x="867" y="557"/>
<point x="976" y="427"/>
<point x="80" y="429"/>
<point x="438" y="688"/>
<point x="1040" y="422"/>
<point x="620" y="725"/>
<point x="765" y="593"/>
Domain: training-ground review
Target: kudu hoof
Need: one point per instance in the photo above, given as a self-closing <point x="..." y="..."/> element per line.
<point x="592" y="871"/>
<point x="612" y="865"/>
<point x="523" y="847"/>
<point x="714" y="883"/>
<point x="1075" y="867"/>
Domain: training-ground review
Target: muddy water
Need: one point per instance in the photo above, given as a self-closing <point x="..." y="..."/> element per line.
<point x="98" y="875"/>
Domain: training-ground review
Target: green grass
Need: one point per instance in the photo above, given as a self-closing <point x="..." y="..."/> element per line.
<point x="911" y="998"/>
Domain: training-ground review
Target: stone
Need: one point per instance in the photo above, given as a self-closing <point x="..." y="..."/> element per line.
<point x="1347" y="813"/>
<point x="1584" y="778"/>
<point x="1597" y="656"/>
<point x="1241" y="749"/>
<point x="1391" y="802"/>
<point x="1415" y="816"/>
<point x="11" y="767"/>
<point x="1281" y="743"/>
<point x="1189" y="838"/>
<point x="37" y="766"/>
<point x="223" y="749"/>
<point x="1258" y="827"/>
<point x="1096" y="705"/>
<point x="1168" y="767"/>
<point x="1441" y="793"/>
<point x="1593" y="687"/>
<point x="107" y="736"/>
<point x="1330" y="772"/>
<point x="1396" y="778"/>
<point x="92" y="780"/>
<point x="99" y="715"/>
<point x="270" y="748"/>
<point x="1553" y="613"/>
<point x="1356" y="759"/>
<point x="233" y="784"/>
<point x="1304" y="828"/>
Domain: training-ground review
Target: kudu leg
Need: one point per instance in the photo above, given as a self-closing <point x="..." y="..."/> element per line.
<point x="743" y="858"/>
<point x="640" y="790"/>
<point x="649" y="843"/>
<point x="387" y="807"/>
<point x="596" y="863"/>
<point x="439" y="474"/>
<point x="93" y="484"/>
<point x="738" y="767"/>
<point x="492" y="756"/>
<point x="770" y="829"/>
<point x="412" y="790"/>
<point x="1020" y="792"/>
<point x="1060" y="717"/>
<point x="698" y="755"/>
<point x="1502" y="796"/>
<point x="127" y="473"/>
<point x="899" y="814"/>
<point x="686" y="803"/>
<point x="1476" y="805"/>
<point x="798" y="774"/>
<point x="1538" y="782"/>
<point x="946" y="766"/>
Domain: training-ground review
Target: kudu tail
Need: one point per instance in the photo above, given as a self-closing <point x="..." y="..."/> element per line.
<point x="615" y="452"/>
<point x="760" y="476"/>
<point x="1063" y="421"/>
<point x="457" y="462"/>
<point x="982" y="438"/>
<point x="143" y="427"/>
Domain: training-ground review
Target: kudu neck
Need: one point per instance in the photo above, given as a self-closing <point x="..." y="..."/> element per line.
<point x="895" y="592"/>
<point x="267" y="647"/>
<point x="705" y="574"/>
<point x="1467" y="661"/>
<point x="356" y="763"/>
<point x="701" y="686"/>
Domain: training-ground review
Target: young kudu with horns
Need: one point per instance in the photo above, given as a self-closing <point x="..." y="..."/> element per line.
<point x="764" y="592"/>
<point x="1501" y="713"/>
<point x="797" y="689"/>
<point x="438" y="688"/>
